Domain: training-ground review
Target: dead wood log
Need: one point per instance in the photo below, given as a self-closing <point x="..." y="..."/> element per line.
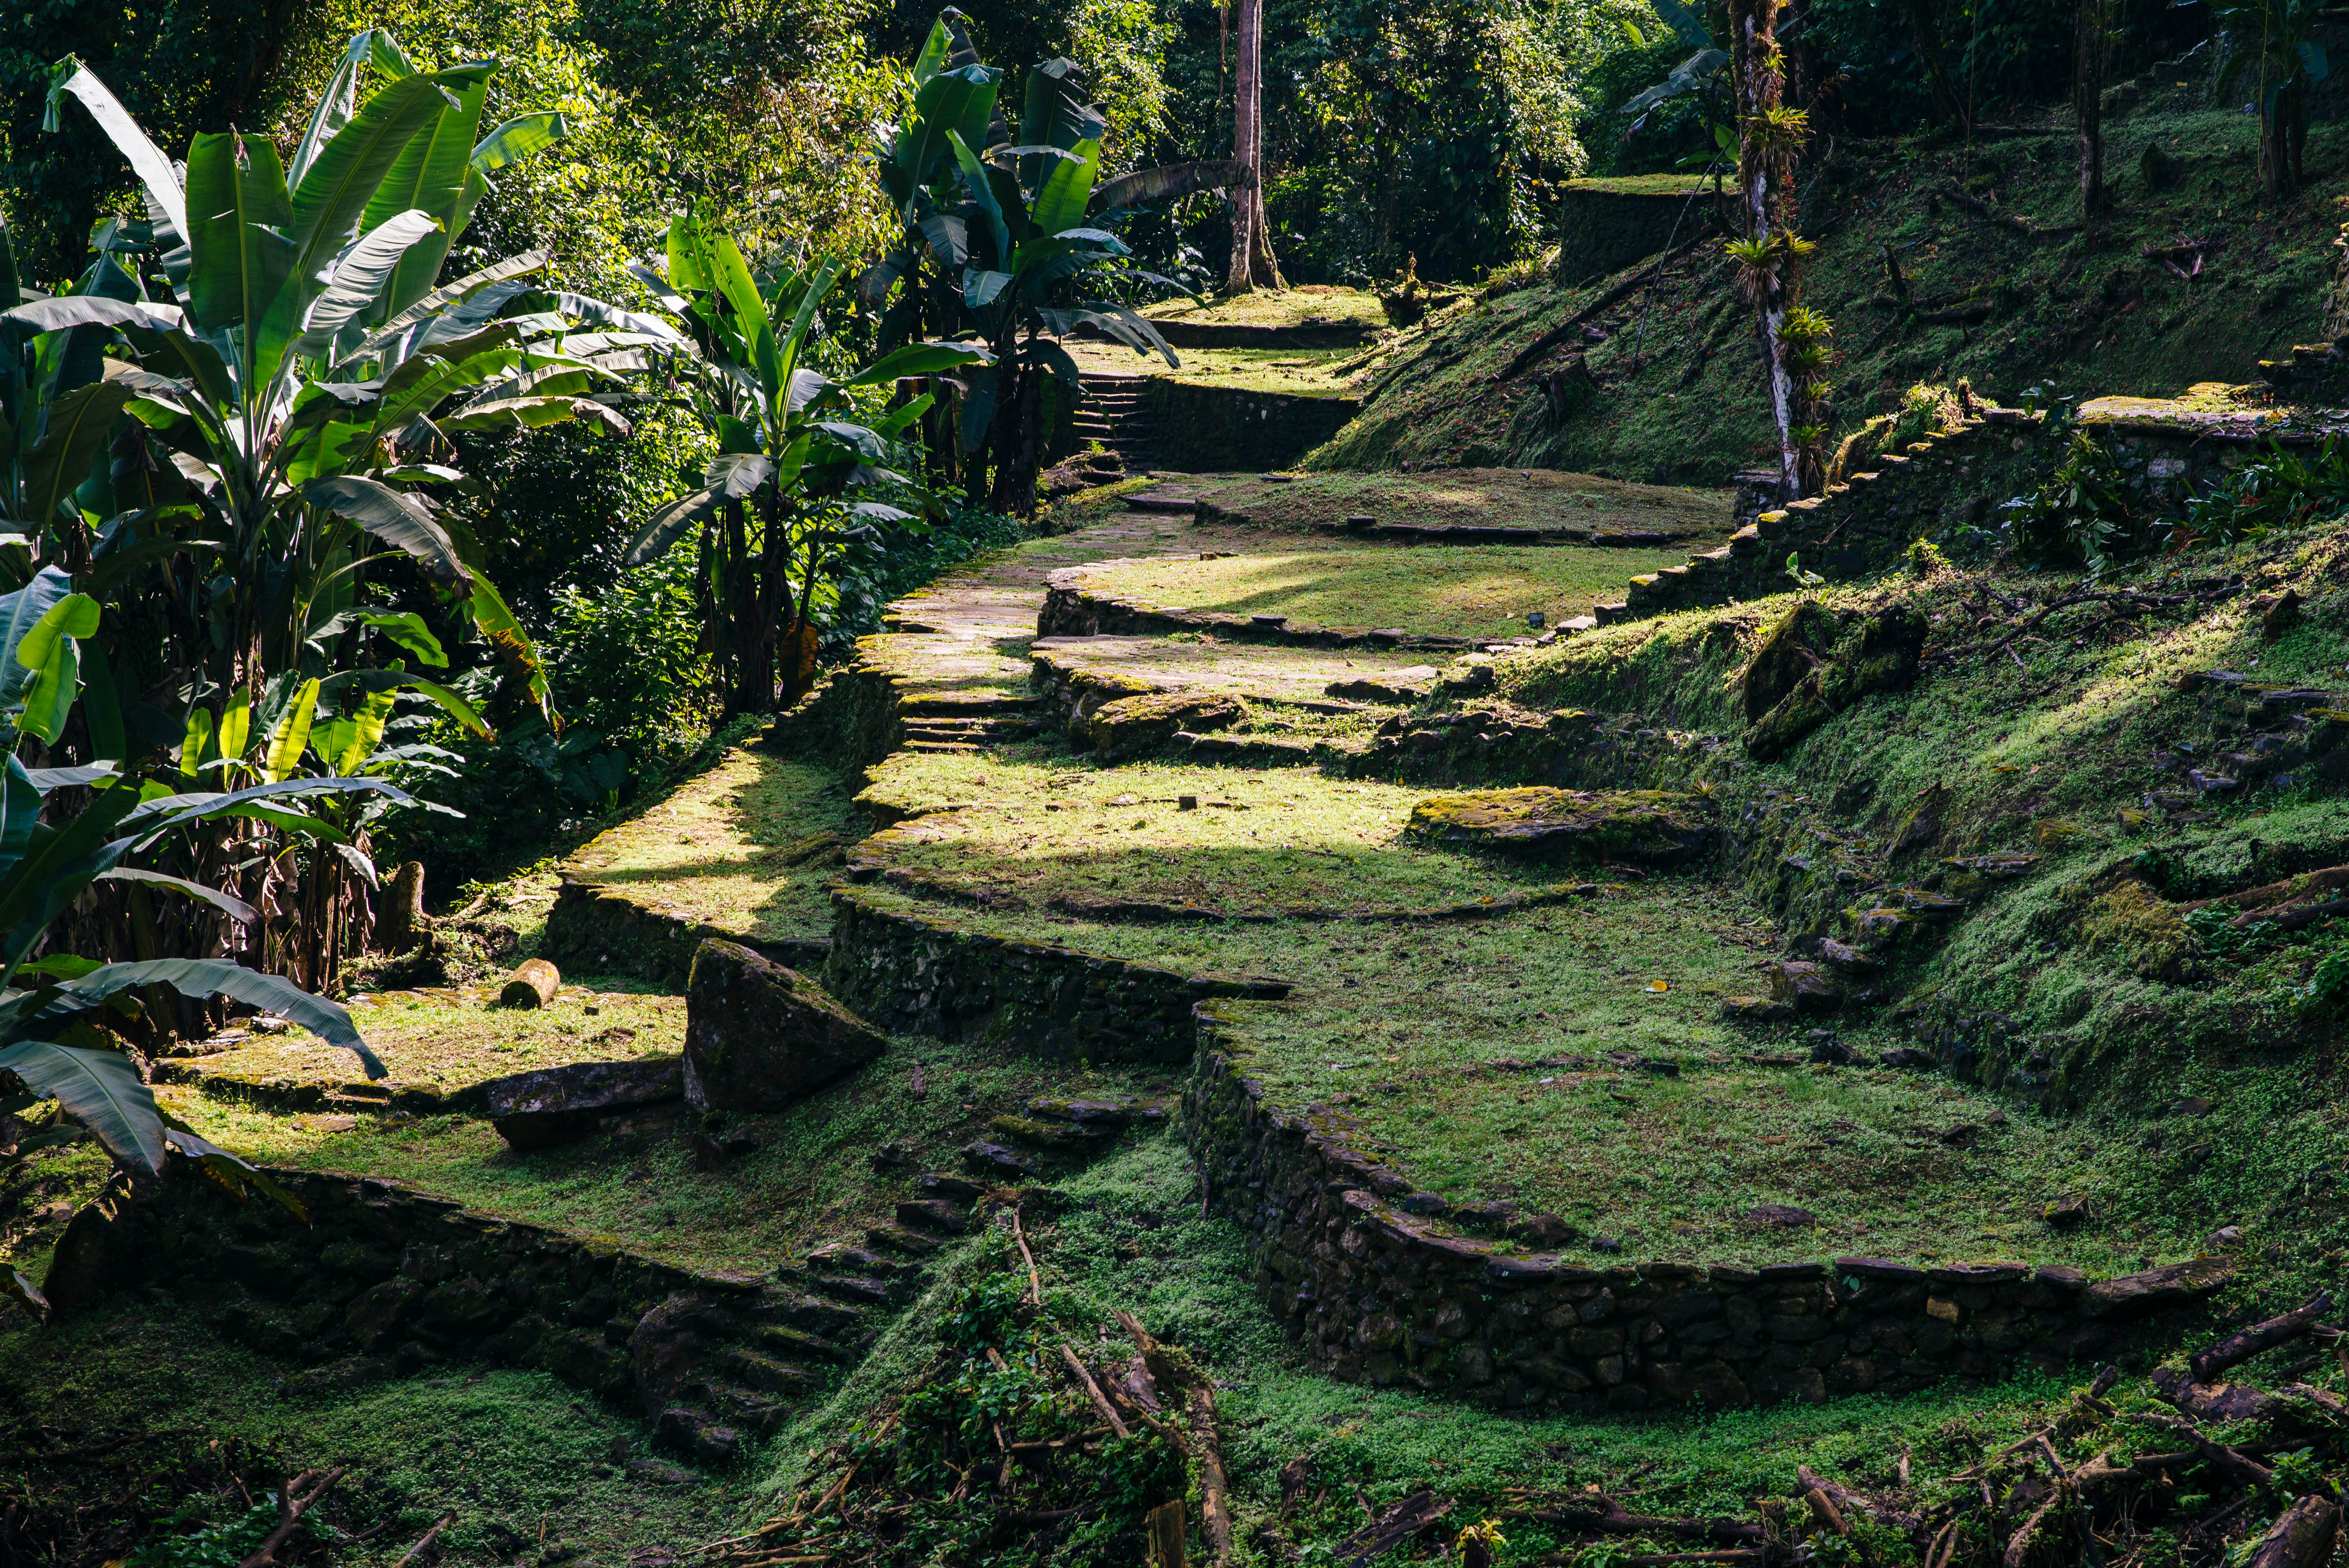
<point x="2242" y="1346"/>
<point x="1415" y="1514"/>
<point x="1164" y="1529"/>
<point x="416" y="1552"/>
<point x="1214" y="1493"/>
<point x="1093" y="1390"/>
<point x="292" y="1502"/>
<point x="2302" y="1538"/>
<point x="2003" y="219"/>
<point x="2233" y="1461"/>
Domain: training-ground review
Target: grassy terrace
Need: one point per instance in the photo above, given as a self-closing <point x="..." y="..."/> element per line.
<point x="809" y="1179"/>
<point x="1463" y="591"/>
<point x="745" y="846"/>
<point x="1313" y="306"/>
<point x="1498" y="497"/>
<point x="446" y="1040"/>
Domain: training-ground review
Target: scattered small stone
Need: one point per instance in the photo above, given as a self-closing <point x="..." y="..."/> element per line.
<point x="2193" y="1105"/>
<point x="1604" y="1244"/>
<point x="1826" y="1048"/>
<point x="1536" y="620"/>
<point x="2225" y="1238"/>
<point x="1425" y="1203"/>
<point x="1965" y="1135"/>
<point x="1550" y="1231"/>
<point x="2066" y="1214"/>
<point x="1780" y="1217"/>
<point x="892" y="1157"/>
<point x="1186" y="803"/>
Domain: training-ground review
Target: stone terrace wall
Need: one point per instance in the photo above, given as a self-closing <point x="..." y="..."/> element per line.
<point x="1379" y="1296"/>
<point x="1602" y="231"/>
<point x="912" y="971"/>
<point x="1073" y="610"/>
<point x="599" y="929"/>
<point x="385" y="1280"/>
<point x="1216" y="430"/>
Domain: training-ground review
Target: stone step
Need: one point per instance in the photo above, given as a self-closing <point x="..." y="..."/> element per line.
<point x="742" y="1408"/>
<point x="966" y="706"/>
<point x="853" y="1288"/>
<point x="768" y="1375"/>
<point x="1040" y="1134"/>
<point x="934" y="1214"/>
<point x="898" y="1239"/>
<point x="994" y="1160"/>
<point x="784" y="1342"/>
<point x="1182" y="506"/>
<point x="816" y="1315"/>
<point x="946" y="1185"/>
<point x="951" y="745"/>
<point x="845" y="1257"/>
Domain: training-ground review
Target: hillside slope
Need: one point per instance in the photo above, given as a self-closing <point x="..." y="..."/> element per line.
<point x="1673" y="386"/>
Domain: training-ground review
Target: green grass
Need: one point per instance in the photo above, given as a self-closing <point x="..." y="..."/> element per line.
<point x="520" y="1459"/>
<point x="809" y="1181"/>
<point x="1459" y="590"/>
<point x="1672" y="376"/>
<point x="738" y="846"/>
<point x="1268" y="307"/>
<point x="1636" y="185"/>
<point x="1131" y="1237"/>
<point x="446" y="1041"/>
<point x="1496" y="497"/>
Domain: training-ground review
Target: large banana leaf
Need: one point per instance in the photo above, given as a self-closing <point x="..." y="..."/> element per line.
<point x="431" y="175"/>
<point x="1172" y="179"/>
<point x="219" y="977"/>
<point x="81" y="422"/>
<point x="227" y="902"/>
<point x="335" y="188"/>
<point x="731" y="477"/>
<point x="518" y="139"/>
<point x="373" y="46"/>
<point x="362" y="273"/>
<point x="498" y="627"/>
<point x="952" y="104"/>
<point x="147" y="160"/>
<point x="398" y="518"/>
<point x="101" y="1089"/>
<point x="1061" y="204"/>
<point x="49" y="652"/>
<point x="240" y="274"/>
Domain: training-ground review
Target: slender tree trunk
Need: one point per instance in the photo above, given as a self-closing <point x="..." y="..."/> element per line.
<point x="1760" y="88"/>
<point x="1253" y="263"/>
<point x="1925" y="33"/>
<point x="2090" y="50"/>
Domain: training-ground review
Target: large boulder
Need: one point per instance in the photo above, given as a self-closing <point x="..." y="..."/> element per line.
<point x="758" y="1035"/>
<point x="1135" y="724"/>
<point x="1635" y="826"/>
<point x="560" y="1105"/>
<point x="1811" y="667"/>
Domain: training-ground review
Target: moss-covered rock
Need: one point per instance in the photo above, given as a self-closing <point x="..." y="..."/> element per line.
<point x="1639" y="827"/>
<point x="1875" y="653"/>
<point x="1135" y="724"/>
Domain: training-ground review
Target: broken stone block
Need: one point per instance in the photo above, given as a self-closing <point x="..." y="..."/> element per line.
<point x="1755" y="1010"/>
<point x="2067" y="1213"/>
<point x="1404" y="686"/>
<point x="1138" y="723"/>
<point x="1639" y="827"/>
<point x="1806" y="986"/>
<point x="759" y="1037"/>
<point x="561" y="1105"/>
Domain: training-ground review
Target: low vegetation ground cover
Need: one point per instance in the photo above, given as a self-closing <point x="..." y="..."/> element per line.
<point x="1540" y="498"/>
<point x="1457" y="590"/>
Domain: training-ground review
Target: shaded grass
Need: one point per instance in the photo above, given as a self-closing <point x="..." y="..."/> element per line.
<point x="1487" y="497"/>
<point x="448" y="1040"/>
<point x="1130" y="1235"/>
<point x="520" y="1458"/>
<point x="734" y="847"/>
<point x="809" y="1181"/>
<point x="1461" y="591"/>
<point x="1270" y="307"/>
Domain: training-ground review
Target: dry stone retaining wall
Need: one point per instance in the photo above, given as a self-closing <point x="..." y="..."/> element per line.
<point x="384" y="1280"/>
<point x="1200" y="429"/>
<point x="1602" y="231"/>
<point x="913" y="972"/>
<point x="1380" y="1296"/>
<point x="1072" y="610"/>
<point x="597" y="929"/>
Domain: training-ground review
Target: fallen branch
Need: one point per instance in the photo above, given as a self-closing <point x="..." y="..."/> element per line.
<point x="1645" y="274"/>
<point x="1418" y="1513"/>
<point x="2233" y="1461"/>
<point x="1610" y="1519"/>
<point x="1093" y="1389"/>
<point x="291" y="1504"/>
<point x="2064" y="601"/>
<point x="1035" y="1280"/>
<point x="431" y="1535"/>
<point x="2259" y="1338"/>
<point x="1215" y="1499"/>
<point x="2004" y="220"/>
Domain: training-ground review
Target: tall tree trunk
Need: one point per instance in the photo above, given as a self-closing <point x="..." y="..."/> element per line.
<point x="1762" y="168"/>
<point x="2090" y="50"/>
<point x="1925" y="33"/>
<point x="1253" y="264"/>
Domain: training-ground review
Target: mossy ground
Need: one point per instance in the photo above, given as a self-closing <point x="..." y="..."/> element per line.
<point x="809" y="1180"/>
<point x="448" y="1040"/>
<point x="1672" y="388"/>
<point x="520" y="1460"/>
<point x="745" y="847"/>
<point x="1457" y="590"/>
<point x="1490" y="498"/>
<point x="1314" y="306"/>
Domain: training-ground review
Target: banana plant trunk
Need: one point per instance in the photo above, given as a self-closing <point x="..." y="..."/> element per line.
<point x="1253" y="266"/>
<point x="1018" y="435"/>
<point x="1760" y="88"/>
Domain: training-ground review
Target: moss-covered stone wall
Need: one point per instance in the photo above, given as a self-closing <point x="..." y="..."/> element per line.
<point x="1200" y="428"/>
<point x="1606" y="225"/>
<point x="1376" y="1293"/>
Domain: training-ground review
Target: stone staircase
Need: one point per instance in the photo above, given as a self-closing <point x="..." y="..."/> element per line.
<point x="1116" y="413"/>
<point x="966" y="722"/>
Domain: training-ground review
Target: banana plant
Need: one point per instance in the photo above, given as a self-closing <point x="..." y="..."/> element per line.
<point x="777" y="510"/>
<point x="66" y="1022"/>
<point x="2281" y="45"/>
<point x="1004" y="236"/>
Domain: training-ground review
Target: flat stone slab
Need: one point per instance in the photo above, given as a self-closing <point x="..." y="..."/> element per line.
<point x="560" y="1105"/>
<point x="1637" y="827"/>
